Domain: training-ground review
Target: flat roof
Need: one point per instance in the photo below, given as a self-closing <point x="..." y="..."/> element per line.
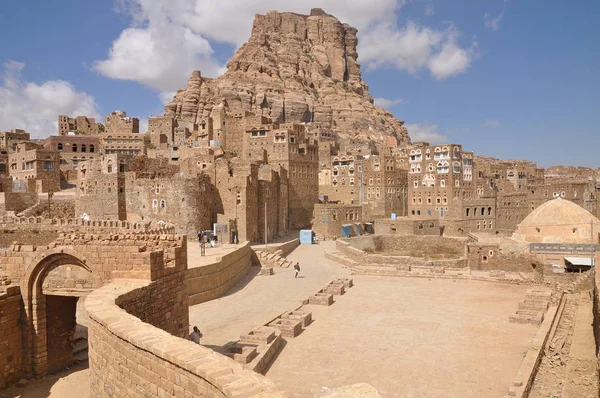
<point x="587" y="261"/>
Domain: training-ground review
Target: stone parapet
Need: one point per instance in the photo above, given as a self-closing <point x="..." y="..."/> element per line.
<point x="129" y="357"/>
<point x="75" y="224"/>
<point x="213" y="280"/>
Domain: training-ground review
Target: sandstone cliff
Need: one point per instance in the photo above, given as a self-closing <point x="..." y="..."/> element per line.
<point x="294" y="68"/>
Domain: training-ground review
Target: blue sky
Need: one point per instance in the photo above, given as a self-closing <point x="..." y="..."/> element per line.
<point x="521" y="83"/>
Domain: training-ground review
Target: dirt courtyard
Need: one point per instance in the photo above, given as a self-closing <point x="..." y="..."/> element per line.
<point x="410" y="337"/>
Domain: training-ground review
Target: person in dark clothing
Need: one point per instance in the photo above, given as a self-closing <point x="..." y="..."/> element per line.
<point x="297" y="268"/>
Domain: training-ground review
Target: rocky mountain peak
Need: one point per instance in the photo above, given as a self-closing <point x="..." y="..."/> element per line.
<point x="294" y="68"/>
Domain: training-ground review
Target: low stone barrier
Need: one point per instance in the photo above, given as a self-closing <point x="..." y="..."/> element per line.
<point x="76" y="224"/>
<point x="360" y="258"/>
<point x="211" y="281"/>
<point x="129" y="357"/>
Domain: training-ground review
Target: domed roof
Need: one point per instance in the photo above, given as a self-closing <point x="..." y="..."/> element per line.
<point x="558" y="221"/>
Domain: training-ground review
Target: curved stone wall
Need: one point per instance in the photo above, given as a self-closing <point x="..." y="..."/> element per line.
<point x="131" y="358"/>
<point x="211" y="281"/>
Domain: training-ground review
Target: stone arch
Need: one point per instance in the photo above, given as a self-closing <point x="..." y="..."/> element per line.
<point x="35" y="302"/>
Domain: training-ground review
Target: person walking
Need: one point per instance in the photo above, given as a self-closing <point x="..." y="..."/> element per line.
<point x="203" y="245"/>
<point x="200" y="234"/>
<point x="195" y="335"/>
<point x="297" y="268"/>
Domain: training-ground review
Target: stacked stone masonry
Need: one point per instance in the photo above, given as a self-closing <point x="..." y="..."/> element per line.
<point x="11" y="346"/>
<point x="131" y="358"/>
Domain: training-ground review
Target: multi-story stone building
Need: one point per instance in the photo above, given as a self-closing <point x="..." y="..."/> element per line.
<point x="438" y="176"/>
<point x="122" y="143"/>
<point x="117" y="122"/>
<point x="111" y="187"/>
<point x="31" y="162"/>
<point x="286" y="145"/>
<point x="383" y="187"/>
<point x="10" y="139"/>
<point x="73" y="149"/>
<point x="78" y="125"/>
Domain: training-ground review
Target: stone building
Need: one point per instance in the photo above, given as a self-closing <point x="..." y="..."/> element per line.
<point x="79" y="125"/>
<point x="117" y="122"/>
<point x="117" y="187"/>
<point x="3" y="164"/>
<point x="166" y="132"/>
<point x="100" y="193"/>
<point x="237" y="199"/>
<point x="73" y="149"/>
<point x="10" y="139"/>
<point x="32" y="162"/>
<point x="186" y="202"/>
<point x="383" y="187"/>
<point x="340" y="180"/>
<point x="286" y="145"/>
<point x="330" y="218"/>
<point x="122" y="143"/>
<point x="273" y="196"/>
<point x="438" y="176"/>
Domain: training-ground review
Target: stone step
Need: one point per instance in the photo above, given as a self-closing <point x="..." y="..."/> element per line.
<point x="81" y="356"/>
<point x="80" y="345"/>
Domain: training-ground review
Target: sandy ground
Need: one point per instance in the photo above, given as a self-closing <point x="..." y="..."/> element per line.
<point x="257" y="300"/>
<point x="410" y="337"/>
<point x="407" y="337"/>
<point x="71" y="383"/>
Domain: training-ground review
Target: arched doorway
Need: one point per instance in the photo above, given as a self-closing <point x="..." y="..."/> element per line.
<point x="54" y="283"/>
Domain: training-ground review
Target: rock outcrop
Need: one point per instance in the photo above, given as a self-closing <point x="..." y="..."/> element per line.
<point x="294" y="68"/>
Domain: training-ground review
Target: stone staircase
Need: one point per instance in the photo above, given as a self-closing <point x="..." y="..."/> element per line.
<point x="80" y="344"/>
<point x="533" y="308"/>
<point x="268" y="260"/>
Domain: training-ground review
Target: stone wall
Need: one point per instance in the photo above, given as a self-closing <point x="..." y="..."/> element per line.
<point x="11" y="340"/>
<point x="491" y="257"/>
<point x="75" y="224"/>
<point x="407" y="226"/>
<point x="107" y="256"/>
<point x="185" y="202"/>
<point x="19" y="201"/>
<point x="162" y="304"/>
<point x="363" y="251"/>
<point x="131" y="358"/>
<point x="211" y="281"/>
<point x="286" y="248"/>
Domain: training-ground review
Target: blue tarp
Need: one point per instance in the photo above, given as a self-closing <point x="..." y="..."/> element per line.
<point x="306" y="237"/>
<point x="346" y="230"/>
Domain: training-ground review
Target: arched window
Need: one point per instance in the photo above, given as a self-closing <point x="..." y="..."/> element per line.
<point x="109" y="167"/>
<point x="59" y="146"/>
<point x="163" y="204"/>
<point x="83" y="148"/>
<point x="91" y="147"/>
<point x="74" y="148"/>
<point x="489" y="211"/>
<point x="155" y="203"/>
<point x="483" y="211"/>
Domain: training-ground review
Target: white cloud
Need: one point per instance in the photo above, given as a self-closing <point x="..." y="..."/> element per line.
<point x="429" y="10"/>
<point x="415" y="47"/>
<point x="427" y="133"/>
<point x="387" y="103"/>
<point x="491" y="123"/>
<point x="35" y="107"/>
<point x="170" y="38"/>
<point x="493" y="23"/>
<point x="450" y="61"/>
<point x="160" y="55"/>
